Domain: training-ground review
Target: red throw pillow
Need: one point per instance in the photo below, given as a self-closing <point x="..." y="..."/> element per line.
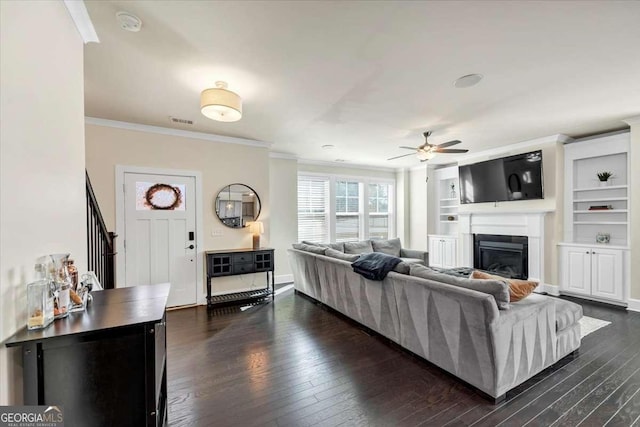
<point x="518" y="289"/>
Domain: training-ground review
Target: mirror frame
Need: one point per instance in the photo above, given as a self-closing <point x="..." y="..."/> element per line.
<point x="215" y="204"/>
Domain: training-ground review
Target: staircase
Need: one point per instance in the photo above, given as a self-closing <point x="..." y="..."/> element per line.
<point x="100" y="242"/>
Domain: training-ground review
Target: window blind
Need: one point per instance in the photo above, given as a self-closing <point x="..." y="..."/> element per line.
<point x="313" y="209"/>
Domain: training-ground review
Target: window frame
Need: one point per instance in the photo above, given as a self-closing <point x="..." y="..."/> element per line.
<point x="363" y="211"/>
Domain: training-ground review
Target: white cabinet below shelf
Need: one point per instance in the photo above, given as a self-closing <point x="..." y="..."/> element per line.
<point x="593" y="272"/>
<point x="443" y="251"/>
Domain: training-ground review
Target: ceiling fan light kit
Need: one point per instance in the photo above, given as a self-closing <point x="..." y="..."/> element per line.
<point x="221" y="104"/>
<point x="427" y="151"/>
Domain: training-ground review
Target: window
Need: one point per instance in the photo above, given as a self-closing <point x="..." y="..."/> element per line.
<point x="338" y="209"/>
<point x="347" y="211"/>
<point x="379" y="211"/>
<point x="313" y="209"/>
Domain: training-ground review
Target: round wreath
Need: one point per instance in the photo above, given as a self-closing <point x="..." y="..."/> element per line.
<point x="163" y="187"/>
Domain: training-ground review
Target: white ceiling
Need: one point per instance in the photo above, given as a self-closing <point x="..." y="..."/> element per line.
<point x="369" y="76"/>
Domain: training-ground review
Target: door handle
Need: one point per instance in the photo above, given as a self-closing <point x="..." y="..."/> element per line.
<point x="190" y="247"/>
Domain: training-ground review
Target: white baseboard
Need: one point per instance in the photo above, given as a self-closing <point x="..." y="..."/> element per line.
<point x="284" y="278"/>
<point x="551" y="289"/>
<point x="634" y="304"/>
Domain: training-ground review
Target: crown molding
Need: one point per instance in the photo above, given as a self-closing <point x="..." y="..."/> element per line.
<point x="632" y="121"/>
<point x="345" y="165"/>
<point x="279" y="155"/>
<point x="175" y="132"/>
<point x="538" y="142"/>
<point x="81" y="18"/>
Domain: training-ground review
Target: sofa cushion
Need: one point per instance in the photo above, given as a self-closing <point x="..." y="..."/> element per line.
<point x="389" y="247"/>
<point x="413" y="260"/>
<point x="518" y="289"/>
<point x="496" y="288"/>
<point x="336" y="246"/>
<point x="402" y="267"/>
<point x="361" y="247"/>
<point x="567" y="314"/>
<point x="341" y="255"/>
<point x="309" y="248"/>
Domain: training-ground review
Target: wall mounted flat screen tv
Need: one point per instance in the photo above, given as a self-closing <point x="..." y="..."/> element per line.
<point x="516" y="177"/>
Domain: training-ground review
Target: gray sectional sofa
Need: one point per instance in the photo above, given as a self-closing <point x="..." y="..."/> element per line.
<point x="459" y="329"/>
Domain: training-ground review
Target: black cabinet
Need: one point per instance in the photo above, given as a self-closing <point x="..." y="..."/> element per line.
<point x="232" y="262"/>
<point x="105" y="366"/>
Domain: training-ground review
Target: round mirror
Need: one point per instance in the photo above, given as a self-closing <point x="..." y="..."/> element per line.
<point x="236" y="205"/>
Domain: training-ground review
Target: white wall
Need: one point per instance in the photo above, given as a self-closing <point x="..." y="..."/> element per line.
<point x="283" y="181"/>
<point x="220" y="164"/>
<point x="634" y="186"/>
<point x="42" y="197"/>
<point x="403" y="205"/>
<point x="418" y="209"/>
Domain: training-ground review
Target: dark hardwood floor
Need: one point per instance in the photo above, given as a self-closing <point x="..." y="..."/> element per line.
<point x="294" y="363"/>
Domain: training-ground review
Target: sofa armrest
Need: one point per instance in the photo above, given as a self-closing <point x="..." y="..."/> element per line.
<point x="412" y="253"/>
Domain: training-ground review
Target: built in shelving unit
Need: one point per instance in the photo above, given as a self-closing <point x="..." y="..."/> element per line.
<point x="589" y="266"/>
<point x="443" y="244"/>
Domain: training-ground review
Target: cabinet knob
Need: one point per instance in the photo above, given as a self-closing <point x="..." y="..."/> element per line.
<point x="593" y="252"/>
<point x="587" y="252"/>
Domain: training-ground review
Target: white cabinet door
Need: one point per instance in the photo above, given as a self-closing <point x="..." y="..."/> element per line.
<point x="435" y="251"/>
<point x="606" y="273"/>
<point x="449" y="258"/>
<point x="576" y="270"/>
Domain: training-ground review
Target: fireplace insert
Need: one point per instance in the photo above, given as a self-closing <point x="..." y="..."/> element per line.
<point x="507" y="256"/>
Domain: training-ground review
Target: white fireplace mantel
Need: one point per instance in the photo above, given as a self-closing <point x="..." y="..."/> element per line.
<point x="528" y="223"/>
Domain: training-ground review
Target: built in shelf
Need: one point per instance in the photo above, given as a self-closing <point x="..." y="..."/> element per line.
<point x="449" y="222"/>
<point x="450" y="207"/>
<point x="609" y="187"/>
<point x="449" y="200"/>
<point x="601" y="211"/>
<point x="600" y="222"/>
<point x="601" y="199"/>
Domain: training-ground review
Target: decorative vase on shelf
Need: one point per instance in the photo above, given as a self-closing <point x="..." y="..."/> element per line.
<point x="62" y="285"/>
<point x="604" y="177"/>
<point x="453" y="194"/>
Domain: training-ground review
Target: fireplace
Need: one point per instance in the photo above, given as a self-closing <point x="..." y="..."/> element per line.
<point x="506" y="256"/>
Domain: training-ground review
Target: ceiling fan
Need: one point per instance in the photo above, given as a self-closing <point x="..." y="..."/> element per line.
<point x="426" y="151"/>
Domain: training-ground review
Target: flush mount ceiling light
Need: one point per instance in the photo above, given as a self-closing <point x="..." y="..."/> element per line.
<point x="129" y="21"/>
<point x="221" y="104"/>
<point x="468" y="81"/>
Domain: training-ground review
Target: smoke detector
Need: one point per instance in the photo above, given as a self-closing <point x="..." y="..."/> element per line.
<point x="129" y="21"/>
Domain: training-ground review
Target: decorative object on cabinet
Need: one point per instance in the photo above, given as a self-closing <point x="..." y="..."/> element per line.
<point x="595" y="216"/>
<point x="237" y="205"/>
<point x="603" y="177"/>
<point x="106" y="367"/>
<point x="61" y="283"/>
<point x="453" y="193"/>
<point x="256" y="228"/>
<point x="39" y="304"/>
<point x="232" y="262"/>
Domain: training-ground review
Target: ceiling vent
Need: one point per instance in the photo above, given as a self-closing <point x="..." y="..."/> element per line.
<point x="180" y="121"/>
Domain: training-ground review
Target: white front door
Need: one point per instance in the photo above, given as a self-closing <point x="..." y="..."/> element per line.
<point x="160" y="233"/>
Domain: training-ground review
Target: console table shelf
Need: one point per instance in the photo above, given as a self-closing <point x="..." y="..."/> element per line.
<point x="233" y="262"/>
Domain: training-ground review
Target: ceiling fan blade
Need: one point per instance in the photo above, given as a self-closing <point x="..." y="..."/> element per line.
<point x="410" y="148"/>
<point x="451" y="150"/>
<point x="448" y="144"/>
<point x="404" y="155"/>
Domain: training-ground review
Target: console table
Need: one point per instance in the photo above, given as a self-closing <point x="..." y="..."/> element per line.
<point x="232" y="262"/>
<point x="105" y="366"/>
